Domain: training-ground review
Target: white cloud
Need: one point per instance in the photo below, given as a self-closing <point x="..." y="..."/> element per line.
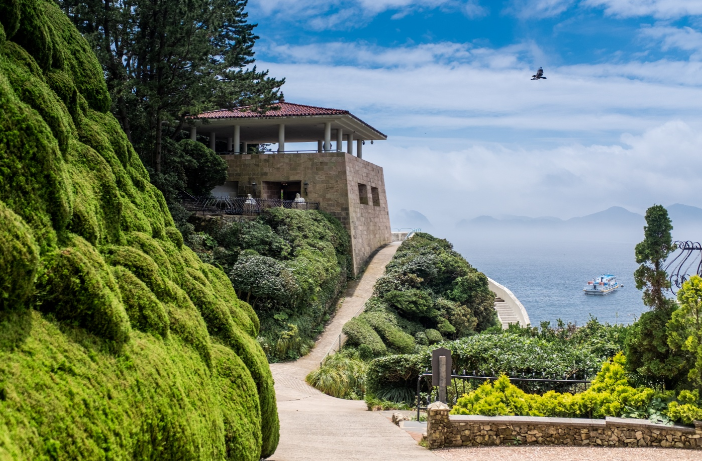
<point x="685" y="38"/>
<point x="348" y="14"/>
<point x="662" y="9"/>
<point x="449" y="86"/>
<point x="539" y="8"/>
<point x="658" y="166"/>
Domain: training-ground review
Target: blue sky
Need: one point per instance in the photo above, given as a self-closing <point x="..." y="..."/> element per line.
<point x="618" y="121"/>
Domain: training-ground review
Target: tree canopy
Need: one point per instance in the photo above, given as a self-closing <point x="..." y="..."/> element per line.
<point x="167" y="60"/>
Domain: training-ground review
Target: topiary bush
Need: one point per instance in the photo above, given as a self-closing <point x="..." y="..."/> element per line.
<point x="360" y="333"/>
<point x="116" y="341"/>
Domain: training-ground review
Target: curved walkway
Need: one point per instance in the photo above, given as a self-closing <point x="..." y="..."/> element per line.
<point x="314" y="426"/>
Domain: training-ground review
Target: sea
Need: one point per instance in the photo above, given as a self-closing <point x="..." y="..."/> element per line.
<point x="548" y="277"/>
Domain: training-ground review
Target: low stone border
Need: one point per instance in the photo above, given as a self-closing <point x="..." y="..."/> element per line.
<point x="455" y="431"/>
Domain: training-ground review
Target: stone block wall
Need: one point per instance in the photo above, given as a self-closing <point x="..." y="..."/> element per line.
<point x="455" y="431"/>
<point x="369" y="223"/>
<point x="333" y="179"/>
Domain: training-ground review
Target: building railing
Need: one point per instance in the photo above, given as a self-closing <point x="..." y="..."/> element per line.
<point x="543" y="384"/>
<point x="241" y="205"/>
<point x="300" y="151"/>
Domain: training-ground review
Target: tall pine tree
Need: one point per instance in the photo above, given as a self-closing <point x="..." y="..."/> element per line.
<point x="166" y="60"/>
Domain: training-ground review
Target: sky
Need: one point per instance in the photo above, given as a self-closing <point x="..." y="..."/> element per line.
<point x="618" y="121"/>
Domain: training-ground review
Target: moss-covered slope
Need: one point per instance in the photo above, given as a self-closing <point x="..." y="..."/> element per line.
<point x="116" y="341"/>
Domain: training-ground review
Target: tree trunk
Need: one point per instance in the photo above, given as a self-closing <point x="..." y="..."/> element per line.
<point x="124" y="117"/>
<point x="157" y="150"/>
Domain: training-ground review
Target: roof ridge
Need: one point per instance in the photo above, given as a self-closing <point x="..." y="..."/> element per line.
<point x="307" y="105"/>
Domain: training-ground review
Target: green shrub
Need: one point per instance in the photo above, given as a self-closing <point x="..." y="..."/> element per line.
<point x="340" y="376"/>
<point x="395" y="375"/>
<point x="433" y="336"/>
<point x="19" y="260"/>
<point x="685" y="328"/>
<point x="609" y="395"/>
<point x="384" y="324"/>
<point x="648" y="352"/>
<point x="359" y="333"/>
<point x="76" y="285"/>
<point x="413" y="303"/>
<point x="290" y="265"/>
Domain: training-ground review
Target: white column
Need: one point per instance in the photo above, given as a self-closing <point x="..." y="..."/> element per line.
<point x="230" y="142"/>
<point x="339" y="139"/>
<point x="281" y="138"/>
<point x="327" y="136"/>
<point x="349" y="144"/>
<point x="320" y="146"/>
<point x="193" y="133"/>
<point x="237" y="138"/>
<point x="359" y="148"/>
<point x="213" y="138"/>
<point x="245" y="148"/>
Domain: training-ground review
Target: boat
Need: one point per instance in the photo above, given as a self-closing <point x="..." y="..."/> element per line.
<point x="602" y="285"/>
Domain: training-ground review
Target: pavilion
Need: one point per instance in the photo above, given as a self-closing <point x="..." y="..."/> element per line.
<point x="283" y="124"/>
<point x="343" y="184"/>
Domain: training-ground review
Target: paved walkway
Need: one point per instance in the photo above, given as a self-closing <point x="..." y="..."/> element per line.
<point x="314" y="426"/>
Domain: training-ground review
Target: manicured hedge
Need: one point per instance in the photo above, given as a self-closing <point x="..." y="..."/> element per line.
<point x="116" y="341"/>
<point x="360" y="333"/>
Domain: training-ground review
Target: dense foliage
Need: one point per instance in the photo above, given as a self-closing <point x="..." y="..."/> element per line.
<point x="428" y="292"/>
<point x="167" y="60"/>
<point x="116" y="340"/>
<point x="290" y="265"/>
<point x="341" y="375"/>
<point x="556" y="353"/>
<point x="647" y="350"/>
<point x="611" y="394"/>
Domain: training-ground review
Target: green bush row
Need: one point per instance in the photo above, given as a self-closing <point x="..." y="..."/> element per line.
<point x="610" y="394"/>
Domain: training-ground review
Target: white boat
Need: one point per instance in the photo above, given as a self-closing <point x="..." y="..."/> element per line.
<point x="602" y="285"/>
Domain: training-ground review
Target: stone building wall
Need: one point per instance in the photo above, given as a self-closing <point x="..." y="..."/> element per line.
<point x="455" y="431"/>
<point x="333" y="179"/>
<point x="370" y="222"/>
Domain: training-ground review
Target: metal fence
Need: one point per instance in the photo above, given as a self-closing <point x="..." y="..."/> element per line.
<point x="545" y="384"/>
<point x="241" y="205"/>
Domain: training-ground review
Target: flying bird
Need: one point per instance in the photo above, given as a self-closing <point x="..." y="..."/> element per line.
<point x="539" y="74"/>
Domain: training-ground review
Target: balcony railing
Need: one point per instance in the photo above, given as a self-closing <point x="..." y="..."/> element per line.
<point x="241" y="205"/>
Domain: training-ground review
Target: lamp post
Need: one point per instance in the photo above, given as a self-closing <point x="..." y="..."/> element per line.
<point x="306" y="184"/>
<point x="253" y="184"/>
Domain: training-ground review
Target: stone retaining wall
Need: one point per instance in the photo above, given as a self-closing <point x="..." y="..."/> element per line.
<point x="455" y="431"/>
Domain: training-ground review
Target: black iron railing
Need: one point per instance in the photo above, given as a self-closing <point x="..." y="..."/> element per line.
<point x="241" y="205"/>
<point x="545" y="384"/>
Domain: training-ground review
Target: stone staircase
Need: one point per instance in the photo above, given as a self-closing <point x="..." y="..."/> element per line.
<point x="505" y="313"/>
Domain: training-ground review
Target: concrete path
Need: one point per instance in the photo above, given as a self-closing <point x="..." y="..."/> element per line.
<point x="314" y="426"/>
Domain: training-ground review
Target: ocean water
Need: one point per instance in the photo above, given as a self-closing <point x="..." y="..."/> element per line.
<point x="548" y="277"/>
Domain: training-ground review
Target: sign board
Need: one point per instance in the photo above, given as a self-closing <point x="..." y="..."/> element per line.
<point x="435" y="371"/>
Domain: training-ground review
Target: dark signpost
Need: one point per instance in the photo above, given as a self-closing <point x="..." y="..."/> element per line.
<point x="441" y="365"/>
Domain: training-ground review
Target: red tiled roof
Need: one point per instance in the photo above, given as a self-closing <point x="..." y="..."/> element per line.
<point x="280" y="109"/>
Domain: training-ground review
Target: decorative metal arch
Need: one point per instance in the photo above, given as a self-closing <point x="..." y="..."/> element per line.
<point x="688" y="255"/>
